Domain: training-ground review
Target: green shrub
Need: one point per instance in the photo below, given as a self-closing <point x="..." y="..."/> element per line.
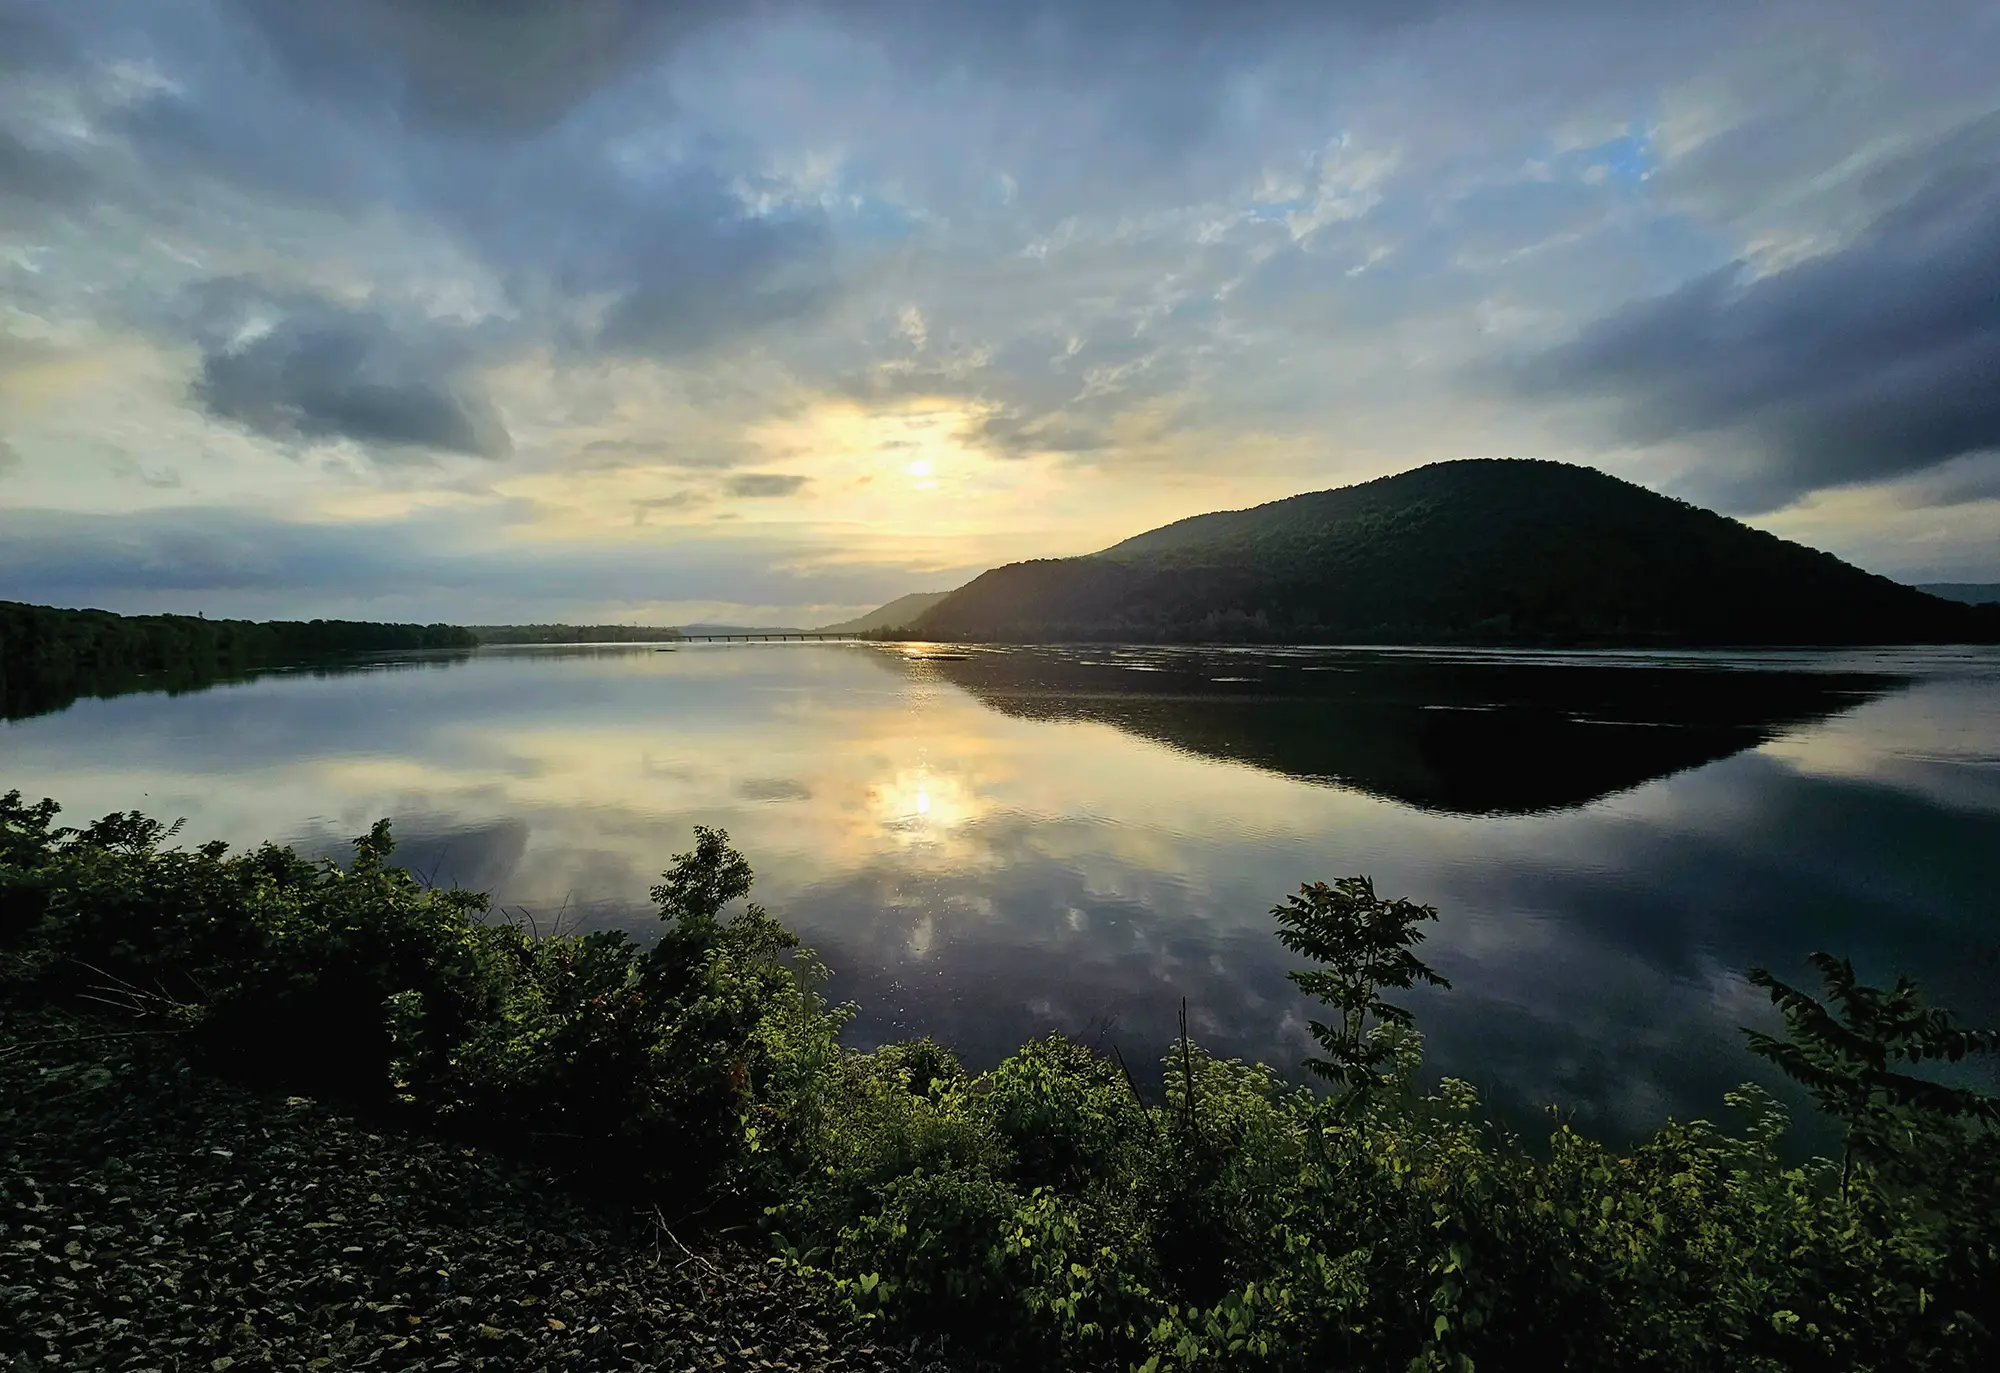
<point x="1042" y="1212"/>
<point x="1068" y="1117"/>
<point x="26" y="842"/>
<point x="674" y="1066"/>
<point x="279" y="966"/>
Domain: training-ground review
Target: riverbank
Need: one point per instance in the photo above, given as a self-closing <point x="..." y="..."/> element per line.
<point x="152" y="1215"/>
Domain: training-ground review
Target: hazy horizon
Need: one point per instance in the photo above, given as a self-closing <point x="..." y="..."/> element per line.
<point x="613" y="311"/>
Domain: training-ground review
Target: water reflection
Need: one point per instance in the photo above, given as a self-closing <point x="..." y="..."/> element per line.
<point x="23" y="699"/>
<point x="1482" y="734"/>
<point x="918" y="807"/>
<point x="989" y="847"/>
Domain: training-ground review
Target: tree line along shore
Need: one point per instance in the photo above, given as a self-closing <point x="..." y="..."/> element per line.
<point x="49" y="656"/>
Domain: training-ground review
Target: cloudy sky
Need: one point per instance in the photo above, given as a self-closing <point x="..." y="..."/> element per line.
<point x="646" y="311"/>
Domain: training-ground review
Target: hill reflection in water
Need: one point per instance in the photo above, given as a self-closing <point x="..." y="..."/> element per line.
<point x="1469" y="734"/>
<point x="979" y="860"/>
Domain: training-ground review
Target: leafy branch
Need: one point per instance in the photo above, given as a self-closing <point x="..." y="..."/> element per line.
<point x="1844" y="1051"/>
<point x="1364" y="945"/>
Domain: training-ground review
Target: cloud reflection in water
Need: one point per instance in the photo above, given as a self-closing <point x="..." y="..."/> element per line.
<point x="989" y="848"/>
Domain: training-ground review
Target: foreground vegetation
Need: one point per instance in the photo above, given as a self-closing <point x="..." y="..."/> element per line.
<point x="1044" y="1213"/>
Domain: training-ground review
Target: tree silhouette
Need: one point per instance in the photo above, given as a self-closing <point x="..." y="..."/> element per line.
<point x="1363" y="943"/>
<point x="1845" y="1053"/>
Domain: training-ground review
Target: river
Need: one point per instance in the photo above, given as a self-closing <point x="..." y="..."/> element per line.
<point x="986" y="844"/>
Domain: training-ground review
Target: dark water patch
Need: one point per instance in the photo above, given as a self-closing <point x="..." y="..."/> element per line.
<point x="1479" y="736"/>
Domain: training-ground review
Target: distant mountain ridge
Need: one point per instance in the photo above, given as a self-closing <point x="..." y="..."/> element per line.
<point x="1971" y="593"/>
<point x="1477" y="551"/>
<point x="898" y="614"/>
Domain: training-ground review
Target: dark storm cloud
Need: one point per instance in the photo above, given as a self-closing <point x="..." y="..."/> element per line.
<point x="1017" y="434"/>
<point x="1150" y="78"/>
<point x="299" y="367"/>
<point x="761" y="484"/>
<point x="1975" y="477"/>
<point x="1154" y="65"/>
<point x="18" y="353"/>
<point x="603" y="237"/>
<point x="31" y="175"/>
<point x="688" y="265"/>
<point x="26" y="43"/>
<point x="1876" y="360"/>
<point x="491" y="68"/>
<point x="616" y="453"/>
<point x="1061" y="40"/>
<point x="679" y="500"/>
<point x="511" y="67"/>
<point x="541" y="134"/>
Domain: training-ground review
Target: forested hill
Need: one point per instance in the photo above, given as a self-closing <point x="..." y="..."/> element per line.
<point x="1477" y="551"/>
<point x="50" y="656"/>
<point x="902" y="611"/>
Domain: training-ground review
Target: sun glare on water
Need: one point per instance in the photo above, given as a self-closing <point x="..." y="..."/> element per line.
<point x="917" y="806"/>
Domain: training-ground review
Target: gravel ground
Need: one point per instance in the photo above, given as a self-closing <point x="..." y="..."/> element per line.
<point x="153" y="1218"/>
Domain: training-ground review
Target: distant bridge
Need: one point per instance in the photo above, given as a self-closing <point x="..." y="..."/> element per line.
<point x="775" y="637"/>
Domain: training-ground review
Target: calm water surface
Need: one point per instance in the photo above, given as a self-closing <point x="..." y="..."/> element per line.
<point x="993" y="845"/>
